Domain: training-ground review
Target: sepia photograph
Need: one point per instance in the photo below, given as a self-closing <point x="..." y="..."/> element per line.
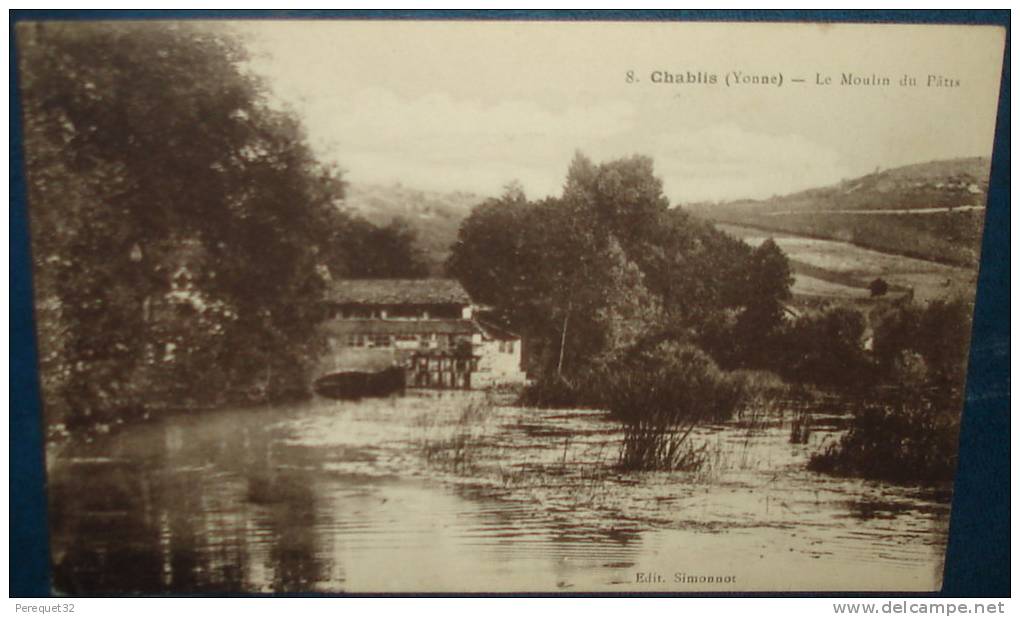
<point x="373" y="306"/>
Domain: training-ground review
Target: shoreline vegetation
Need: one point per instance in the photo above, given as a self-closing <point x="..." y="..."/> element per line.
<point x="154" y="294"/>
<point x="901" y="438"/>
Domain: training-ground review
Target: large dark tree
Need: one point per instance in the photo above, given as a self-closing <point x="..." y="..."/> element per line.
<point x="938" y="333"/>
<point x="526" y="261"/>
<point x="151" y="154"/>
<point x="381" y="252"/>
<point x="766" y="285"/>
<point x="603" y="266"/>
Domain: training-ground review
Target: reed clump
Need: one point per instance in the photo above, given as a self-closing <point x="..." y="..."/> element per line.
<point x="454" y="445"/>
<point x="661" y="395"/>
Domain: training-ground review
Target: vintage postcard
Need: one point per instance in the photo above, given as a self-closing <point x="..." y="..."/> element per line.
<point x="371" y="306"/>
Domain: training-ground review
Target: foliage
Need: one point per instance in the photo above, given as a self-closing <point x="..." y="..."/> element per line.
<point x="908" y="439"/>
<point x="589" y="274"/>
<point x="630" y="311"/>
<point x="768" y="279"/>
<point x="946" y="325"/>
<point x="661" y="394"/>
<point x="766" y="286"/>
<point x="454" y="445"/>
<point x="878" y="287"/>
<point x="826" y="349"/>
<point x="519" y="257"/>
<point x="583" y="391"/>
<point x="433" y="216"/>
<point x="182" y="231"/>
<point x="910" y="434"/>
<point x="925" y="345"/>
<point x="671" y="382"/>
<point x="390" y="251"/>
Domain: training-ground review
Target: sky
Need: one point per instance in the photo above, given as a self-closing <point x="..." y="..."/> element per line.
<point x="471" y="106"/>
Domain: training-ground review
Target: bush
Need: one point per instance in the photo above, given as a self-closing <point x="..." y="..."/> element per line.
<point x="826" y="350"/>
<point x="671" y="383"/>
<point x="762" y="383"/>
<point x="661" y="395"/>
<point x="925" y="344"/>
<point x="911" y="439"/>
<point x="555" y="391"/>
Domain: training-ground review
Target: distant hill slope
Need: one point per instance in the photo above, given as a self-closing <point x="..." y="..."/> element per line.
<point x="931" y="210"/>
<point x="434" y="216"/>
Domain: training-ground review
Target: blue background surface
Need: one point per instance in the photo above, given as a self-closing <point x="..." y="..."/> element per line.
<point x="977" y="558"/>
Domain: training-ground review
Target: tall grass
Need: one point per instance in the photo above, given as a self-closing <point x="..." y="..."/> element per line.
<point x="800" y="426"/>
<point x="650" y="446"/>
<point x="584" y="391"/>
<point x="454" y="445"/>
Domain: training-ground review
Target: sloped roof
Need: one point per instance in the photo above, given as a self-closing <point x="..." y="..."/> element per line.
<point x="496" y="332"/>
<point x="394" y="326"/>
<point x="397" y="291"/>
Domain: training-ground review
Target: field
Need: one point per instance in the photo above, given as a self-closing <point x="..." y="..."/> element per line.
<point x="839" y="270"/>
<point x="932" y="211"/>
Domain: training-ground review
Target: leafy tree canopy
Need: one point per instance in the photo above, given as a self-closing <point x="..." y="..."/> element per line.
<point x="180" y="221"/>
<point x="605" y="265"/>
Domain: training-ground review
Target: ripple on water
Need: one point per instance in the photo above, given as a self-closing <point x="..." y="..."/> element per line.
<point x="328" y="496"/>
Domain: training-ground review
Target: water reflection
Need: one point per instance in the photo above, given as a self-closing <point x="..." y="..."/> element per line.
<point x="331" y="497"/>
<point x="175" y="508"/>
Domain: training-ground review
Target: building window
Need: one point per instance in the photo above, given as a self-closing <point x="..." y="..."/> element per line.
<point x="403" y="311"/>
<point x="407" y="341"/>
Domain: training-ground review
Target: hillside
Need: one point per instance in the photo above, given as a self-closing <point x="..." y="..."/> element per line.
<point x="434" y="216"/>
<point x="931" y="210"/>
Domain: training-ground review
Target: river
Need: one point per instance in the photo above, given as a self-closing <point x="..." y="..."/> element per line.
<point x="459" y="492"/>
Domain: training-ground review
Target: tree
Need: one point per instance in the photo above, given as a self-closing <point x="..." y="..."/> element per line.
<point x="897" y="330"/>
<point x="586" y="275"/>
<point x="630" y="312"/>
<point x="825" y="349"/>
<point x="623" y="196"/>
<point x="533" y="264"/>
<point x="501" y="259"/>
<point x="768" y="278"/>
<point x="938" y="332"/>
<point x="693" y="268"/>
<point x="878" y="287"/>
<point x="382" y="252"/>
<point x="148" y="147"/>
<point x="765" y="286"/>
